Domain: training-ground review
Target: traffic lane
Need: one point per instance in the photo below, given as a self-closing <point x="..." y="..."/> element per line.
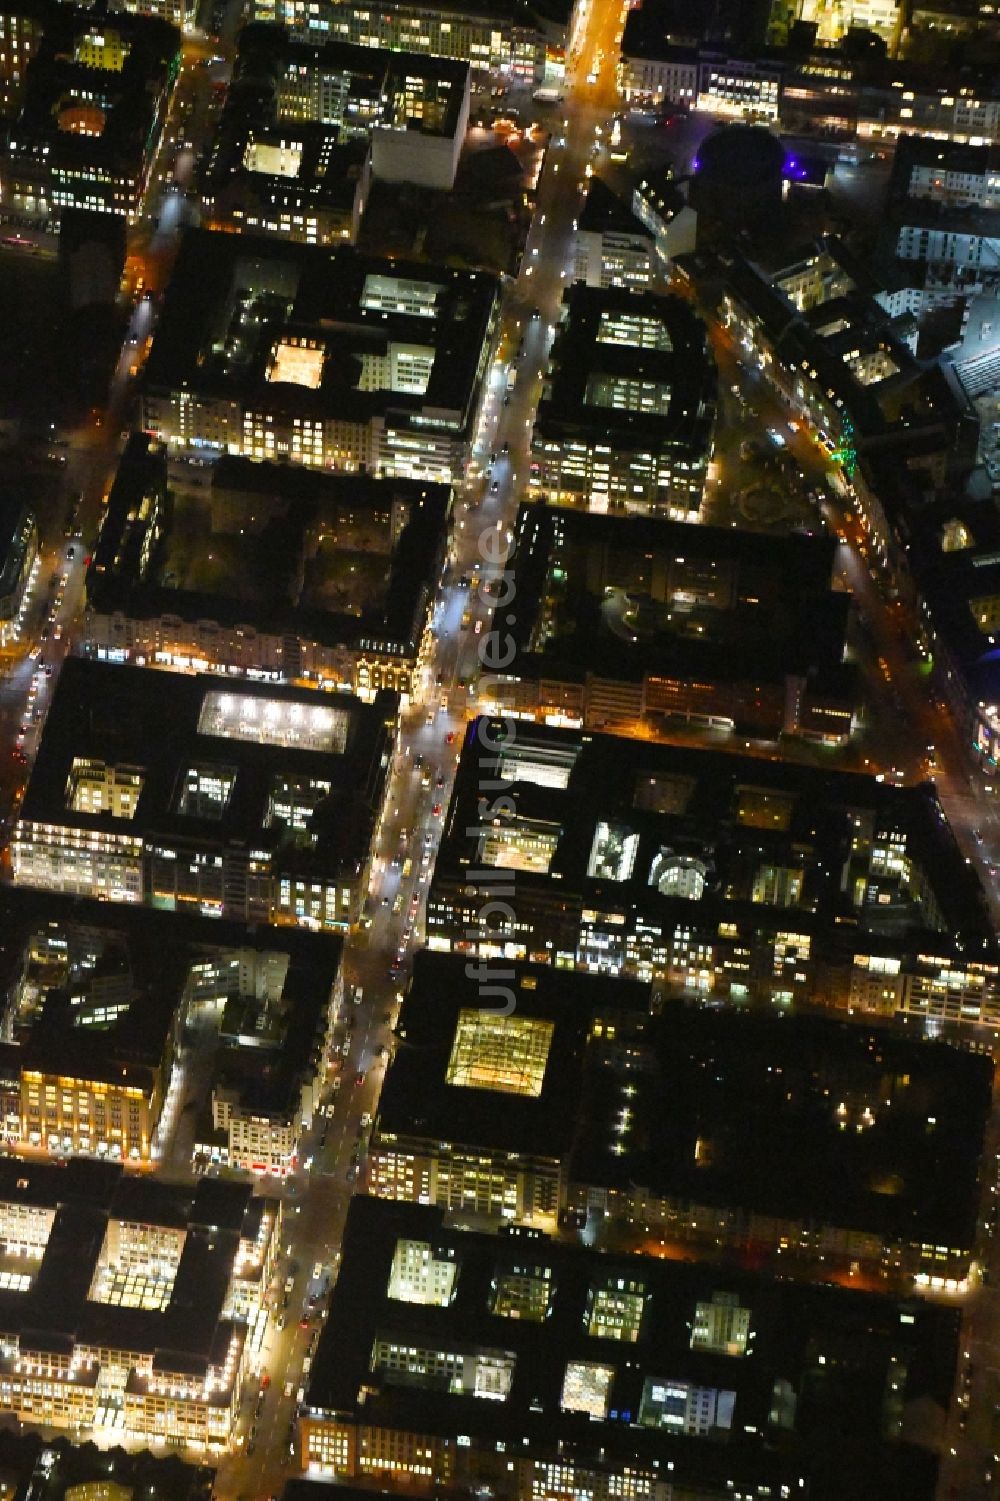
<point x="353" y="1100"/>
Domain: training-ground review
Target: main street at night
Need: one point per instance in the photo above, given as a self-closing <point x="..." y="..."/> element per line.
<point x="905" y="733"/>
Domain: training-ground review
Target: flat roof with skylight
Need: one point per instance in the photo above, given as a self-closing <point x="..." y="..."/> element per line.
<point x="469" y="1074"/>
<point x="147" y="786"/>
<point x="564" y="1356"/>
<point x="283" y="328"/>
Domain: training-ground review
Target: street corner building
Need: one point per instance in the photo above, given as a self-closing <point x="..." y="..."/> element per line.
<point x="130" y="1307"/>
<point x="273" y="572"/>
<point x="273" y="350"/>
<point x="97" y="1001"/>
<point x="627" y="416"/>
<point x="86" y="94"/>
<point x="792" y="1139"/>
<point x="192" y="793"/>
<point x="532" y="1369"/>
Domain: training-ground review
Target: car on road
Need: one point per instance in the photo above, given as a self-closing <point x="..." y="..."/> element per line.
<point x="359" y="1078"/>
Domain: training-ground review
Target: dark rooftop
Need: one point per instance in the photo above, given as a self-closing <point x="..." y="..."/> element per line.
<point x="800" y="1117"/>
<point x="592" y="596"/>
<point x="596" y="339"/>
<point x="835" y="1352"/>
<point x="603" y="211"/>
<point x="276" y="580"/>
<point x="205" y="344"/>
<point x="161" y="724"/>
<point x="417" y="1098"/>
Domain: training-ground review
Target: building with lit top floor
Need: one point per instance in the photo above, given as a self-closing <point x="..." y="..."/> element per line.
<point x="513" y="1363"/>
<point x="131" y="1307"/>
<point x="274" y="571"/>
<point x="774" y="1136"/>
<point x="728" y="878"/>
<point x="627" y="414"/>
<point x="884" y="17"/>
<point x="271" y="350"/>
<point x="296" y="182"/>
<point x="90" y="112"/>
<point x="96" y="999"/>
<point x="634" y="627"/>
<point x="253" y="802"/>
<point x="502" y="38"/>
<point x="658" y="66"/>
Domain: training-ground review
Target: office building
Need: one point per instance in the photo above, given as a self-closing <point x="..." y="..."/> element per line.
<point x="661" y="205"/>
<point x="305" y="577"/>
<point x="91" y="110"/>
<point x="275" y="156"/>
<point x="253" y="802"/>
<point x="295" y="182"/>
<point x="627" y="415"/>
<point x="612" y="249"/>
<point x="566" y="1102"/>
<point x="180" y="13"/>
<point x="96" y="1000"/>
<point x="656" y="70"/>
<point x="944" y="211"/>
<point x="886" y="18"/>
<point x="279" y="351"/>
<point x="22" y="25"/>
<point x="137" y="1306"/>
<point x="577" y="1372"/>
<point x="658" y="622"/>
<point x="518" y="1364"/>
<point x="500" y="39"/>
<point x="727" y="878"/>
<point x="468" y="1047"/>
<point x="18" y="551"/>
<point x="867" y="100"/>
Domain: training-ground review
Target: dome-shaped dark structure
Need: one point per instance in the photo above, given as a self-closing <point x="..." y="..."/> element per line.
<point x="737" y="176"/>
